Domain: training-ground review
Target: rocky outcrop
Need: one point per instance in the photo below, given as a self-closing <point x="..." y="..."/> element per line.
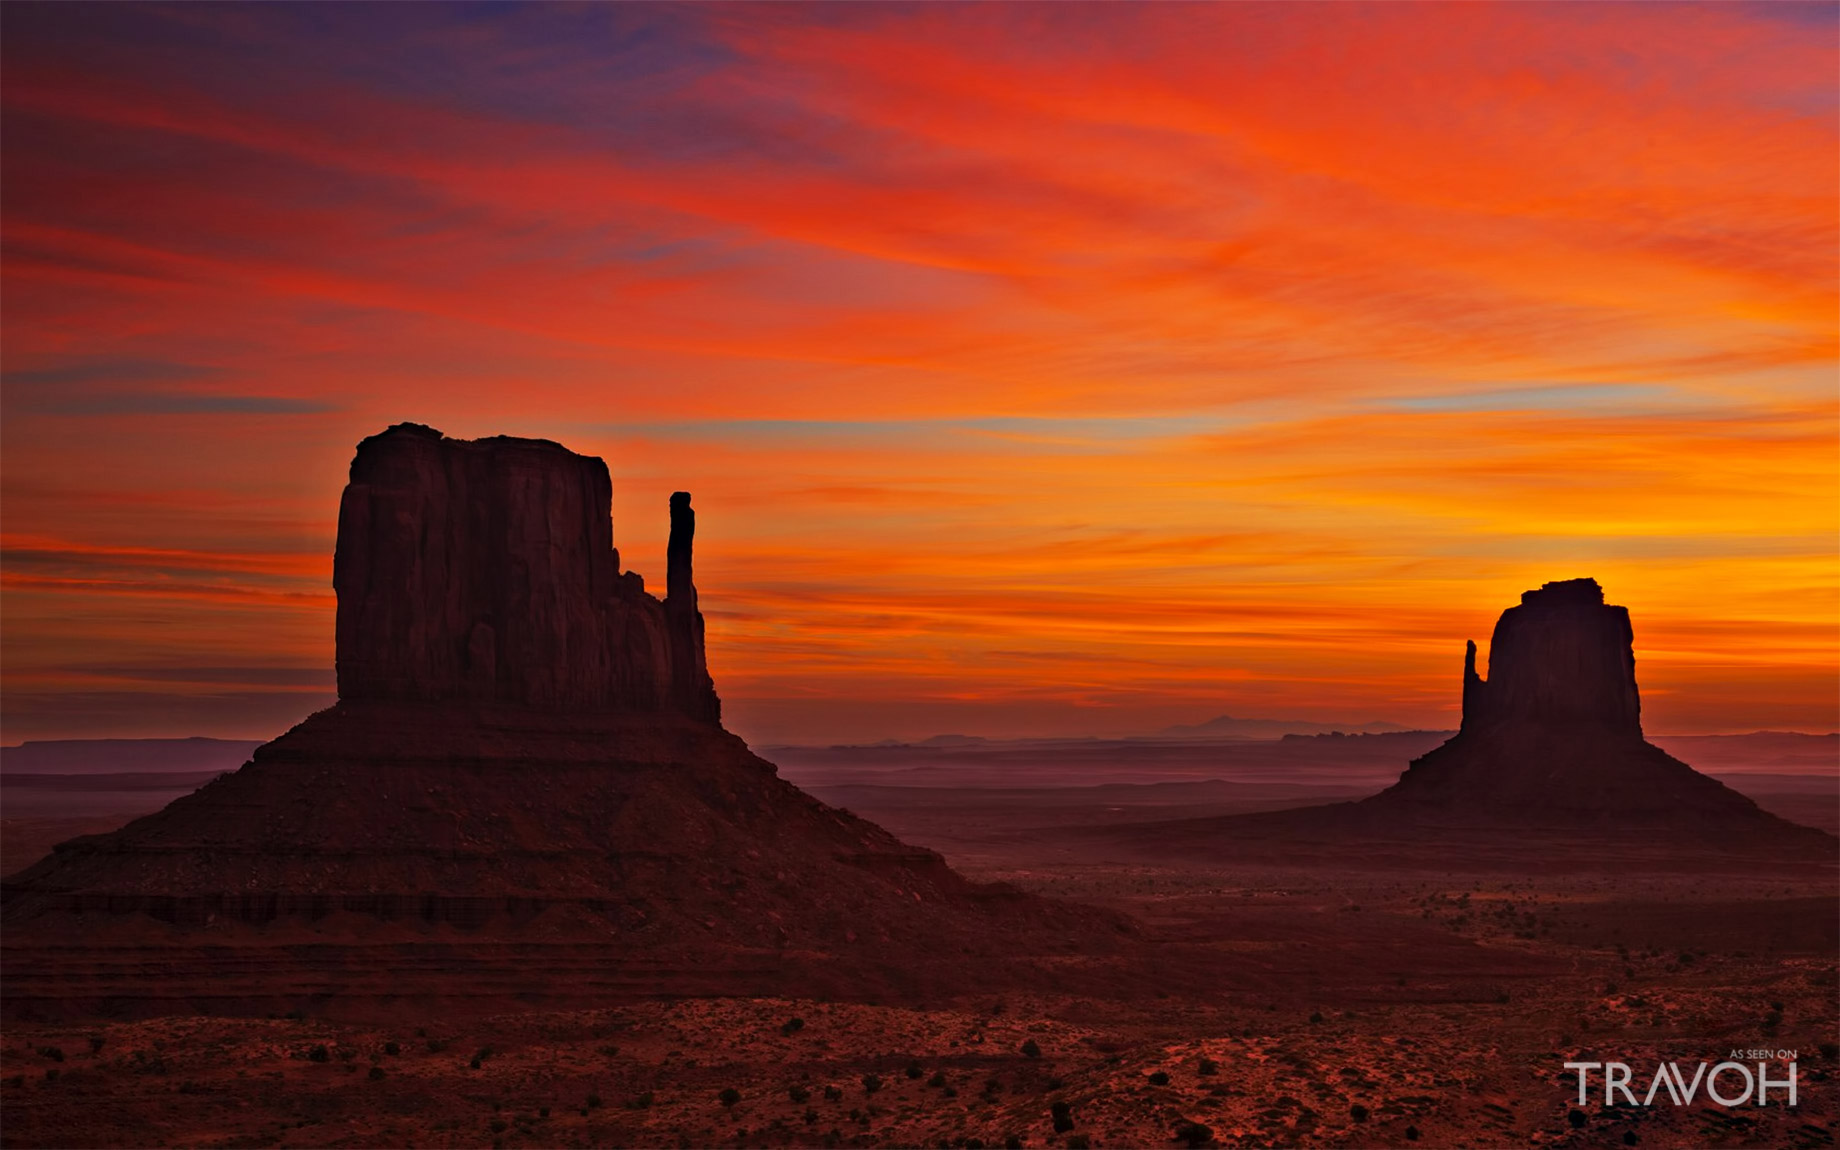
<point x="1563" y="657"/>
<point x="1550" y="756"/>
<point x="484" y="571"/>
<point x="524" y="795"/>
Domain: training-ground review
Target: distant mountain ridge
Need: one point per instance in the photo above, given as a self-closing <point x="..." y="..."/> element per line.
<point x="124" y="756"/>
<point x="1228" y="727"/>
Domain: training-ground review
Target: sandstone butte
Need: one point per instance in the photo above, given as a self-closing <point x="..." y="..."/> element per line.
<point x="524" y="795"/>
<point x="1550" y="753"/>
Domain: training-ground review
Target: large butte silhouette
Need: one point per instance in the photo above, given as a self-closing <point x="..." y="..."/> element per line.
<point x="524" y="793"/>
<point x="1550" y="750"/>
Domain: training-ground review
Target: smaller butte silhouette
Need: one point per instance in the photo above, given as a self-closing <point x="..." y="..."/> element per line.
<point x="524" y="795"/>
<point x="1550" y="747"/>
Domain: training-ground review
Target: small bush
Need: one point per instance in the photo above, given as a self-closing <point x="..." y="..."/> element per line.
<point x="376" y="1074"/>
<point x="871" y="1083"/>
<point x="95" y="1044"/>
<point x="792" y="1026"/>
<point x="833" y="1093"/>
<point x="729" y="1096"/>
<point x="1030" y="1049"/>
<point x="1079" y="1142"/>
<point x="1358" y="1112"/>
<point x="1577" y="1118"/>
<point x="1830" y="1050"/>
<point x="1412" y="1133"/>
<point x="594" y="1102"/>
<point x="475" y="1063"/>
<point x="543" y="1112"/>
<point x="1208" y="1067"/>
<point x="1012" y="1143"/>
<point x="1193" y="1134"/>
<point x="436" y="1045"/>
<point x="1159" y="1078"/>
<point x="1629" y="1138"/>
<point x="483" y="1053"/>
<point x="499" y="1125"/>
<point x="937" y="1080"/>
<point x="1315" y="1016"/>
<point x="51" y="1074"/>
<point x="319" y="1054"/>
<point x="392" y="1048"/>
<point x="913" y="1070"/>
<point x="637" y="1102"/>
<point x="294" y="1016"/>
<point x="52" y="1052"/>
<point x="798" y="1093"/>
<point x="1063" y="1116"/>
<point x="609" y="1051"/>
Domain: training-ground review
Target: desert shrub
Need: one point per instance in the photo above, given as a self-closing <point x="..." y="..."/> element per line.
<point x="1193" y="1134"/>
<point x="1062" y="1113"/>
<point x="1055" y="1084"/>
<point x="1030" y="1049"/>
<point x="1079" y="1142"/>
<point x="319" y="1054"/>
<point x="16" y="1080"/>
<point x="294" y="1016"/>
<point x="1629" y="1138"/>
<point x="51" y="1074"/>
<point x="729" y="1096"/>
<point x="436" y="1045"/>
<point x="499" y="1125"/>
<point x="810" y="1116"/>
<point x="483" y="1053"/>
<point x="52" y="1052"/>
<point x="937" y="1080"/>
<point x="475" y="1063"/>
<point x="392" y="1048"/>
<point x="637" y="1102"/>
<point x="1315" y="1016"/>
<point x="543" y="1112"/>
<point x="871" y="1083"/>
<point x="1358" y="1112"/>
<point x="913" y="1070"/>
<point x="1577" y="1118"/>
<point x="594" y="1101"/>
<point x="797" y="1093"/>
<point x="1208" y="1067"/>
<point x="95" y="1044"/>
<point x="609" y="1051"/>
<point x="1830" y="1050"/>
<point x="949" y="1092"/>
<point x="833" y="1093"/>
<point x="375" y="1074"/>
<point x="1159" y="1078"/>
<point x="346" y="1054"/>
<point x="792" y="1026"/>
<point x="974" y="1144"/>
<point x="1412" y="1132"/>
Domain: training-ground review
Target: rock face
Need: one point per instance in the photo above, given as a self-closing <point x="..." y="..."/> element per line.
<point x="485" y="571"/>
<point x="1550" y="750"/>
<point x="523" y="795"/>
<point x="1561" y="658"/>
<point x="1553" y="736"/>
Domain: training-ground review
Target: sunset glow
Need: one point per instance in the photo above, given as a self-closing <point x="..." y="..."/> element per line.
<point x="1036" y="369"/>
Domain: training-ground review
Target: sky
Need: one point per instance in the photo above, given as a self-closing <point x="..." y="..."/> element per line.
<point x="1037" y="370"/>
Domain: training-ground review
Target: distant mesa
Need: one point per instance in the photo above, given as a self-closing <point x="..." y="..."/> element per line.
<point x="523" y="796"/>
<point x="1551" y="744"/>
<point x="1229" y="727"/>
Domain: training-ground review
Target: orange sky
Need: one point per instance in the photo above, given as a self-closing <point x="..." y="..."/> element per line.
<point x="1036" y="369"/>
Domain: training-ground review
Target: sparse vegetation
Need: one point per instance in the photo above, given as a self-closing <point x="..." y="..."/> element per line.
<point x="729" y="1096"/>
<point x="1030" y="1049"/>
<point x="1159" y="1078"/>
<point x="871" y="1083"/>
<point x="1062" y="1113"/>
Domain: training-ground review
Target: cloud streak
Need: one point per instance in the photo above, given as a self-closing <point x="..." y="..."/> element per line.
<point x="1214" y="357"/>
